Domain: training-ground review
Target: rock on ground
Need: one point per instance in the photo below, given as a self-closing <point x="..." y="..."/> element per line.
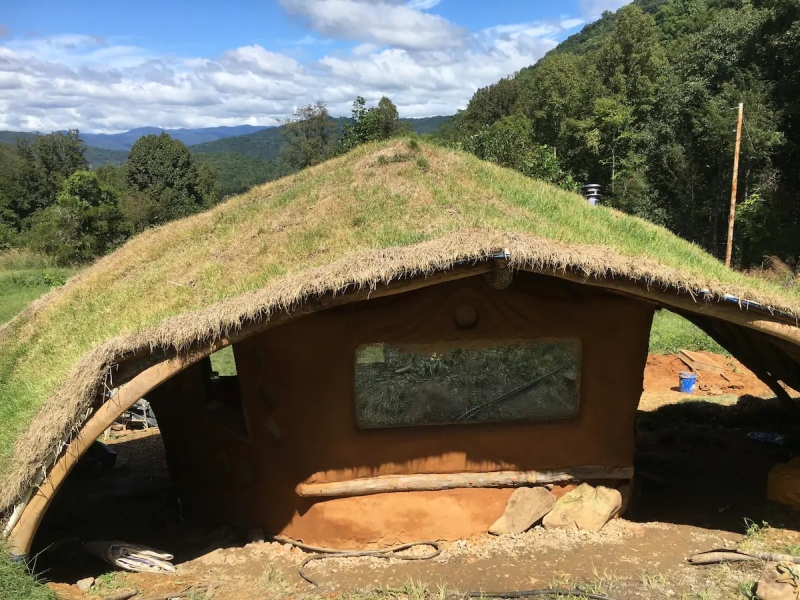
<point x="585" y="507"/>
<point x="255" y="536"/>
<point x="524" y="508"/>
<point x="85" y="585"/>
<point x="779" y="581"/>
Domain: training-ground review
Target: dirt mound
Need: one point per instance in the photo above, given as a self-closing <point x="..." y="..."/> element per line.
<point x="661" y="375"/>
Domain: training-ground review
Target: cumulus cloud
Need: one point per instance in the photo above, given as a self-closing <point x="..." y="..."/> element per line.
<point x="97" y="85"/>
<point x="387" y="22"/>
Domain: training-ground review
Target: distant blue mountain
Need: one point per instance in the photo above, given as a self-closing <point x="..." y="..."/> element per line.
<point x="124" y="141"/>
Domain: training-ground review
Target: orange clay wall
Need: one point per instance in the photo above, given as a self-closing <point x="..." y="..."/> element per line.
<point x="297" y="393"/>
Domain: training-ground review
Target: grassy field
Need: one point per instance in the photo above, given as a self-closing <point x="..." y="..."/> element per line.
<point x="19" y="288"/>
<point x="24" y="276"/>
<point x="223" y="362"/>
<point x="671" y="333"/>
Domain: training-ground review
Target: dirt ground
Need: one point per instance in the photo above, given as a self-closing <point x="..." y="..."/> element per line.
<point x="701" y="483"/>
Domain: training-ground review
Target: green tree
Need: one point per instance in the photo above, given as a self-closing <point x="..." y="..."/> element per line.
<point x="85" y="222"/>
<point x="9" y="219"/>
<point x="44" y="162"/>
<point x="208" y="183"/>
<point x="309" y="137"/>
<point x="492" y="103"/>
<point x="380" y="122"/>
<point x="387" y="119"/>
<point x="631" y="63"/>
<point x="643" y="102"/>
<point x="162" y="169"/>
<point x="509" y="143"/>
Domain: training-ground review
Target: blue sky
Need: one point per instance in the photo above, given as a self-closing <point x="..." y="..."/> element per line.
<point x="109" y="66"/>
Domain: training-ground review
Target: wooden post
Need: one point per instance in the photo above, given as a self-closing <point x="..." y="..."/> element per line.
<point x="732" y="217"/>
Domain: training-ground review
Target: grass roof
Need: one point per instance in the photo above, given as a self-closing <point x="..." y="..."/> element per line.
<point x="378" y="212"/>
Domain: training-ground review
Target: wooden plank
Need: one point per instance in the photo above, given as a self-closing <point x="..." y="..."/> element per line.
<point x="424" y="482"/>
<point x="700" y="363"/>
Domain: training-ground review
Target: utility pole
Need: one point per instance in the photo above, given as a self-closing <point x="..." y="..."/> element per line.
<point x="732" y="217"/>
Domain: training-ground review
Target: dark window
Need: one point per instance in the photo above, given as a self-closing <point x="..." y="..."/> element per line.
<point x="475" y="381"/>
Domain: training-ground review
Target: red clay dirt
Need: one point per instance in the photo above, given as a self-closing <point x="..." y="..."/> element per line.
<point x="661" y="375"/>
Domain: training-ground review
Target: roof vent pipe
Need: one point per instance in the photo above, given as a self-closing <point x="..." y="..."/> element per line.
<point x="591" y="191"/>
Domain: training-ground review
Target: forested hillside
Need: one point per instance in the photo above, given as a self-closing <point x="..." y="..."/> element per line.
<point x="267" y="144"/>
<point x="644" y="103"/>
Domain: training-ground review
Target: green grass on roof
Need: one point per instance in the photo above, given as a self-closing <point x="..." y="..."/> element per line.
<point x="356" y="202"/>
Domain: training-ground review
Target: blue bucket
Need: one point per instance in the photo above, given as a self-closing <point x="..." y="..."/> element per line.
<point x="687" y="382"/>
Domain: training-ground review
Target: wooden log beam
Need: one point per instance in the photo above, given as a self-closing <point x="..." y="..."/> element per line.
<point x="450" y="481"/>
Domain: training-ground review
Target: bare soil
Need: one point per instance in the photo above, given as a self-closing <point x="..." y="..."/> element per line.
<point x="701" y="482"/>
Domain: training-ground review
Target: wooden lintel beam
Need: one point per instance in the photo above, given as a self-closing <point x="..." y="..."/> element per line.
<point x="450" y="481"/>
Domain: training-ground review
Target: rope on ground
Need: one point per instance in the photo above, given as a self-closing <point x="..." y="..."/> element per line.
<point x="322" y="553"/>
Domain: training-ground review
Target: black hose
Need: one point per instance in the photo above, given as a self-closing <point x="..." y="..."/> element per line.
<point x="322" y="553"/>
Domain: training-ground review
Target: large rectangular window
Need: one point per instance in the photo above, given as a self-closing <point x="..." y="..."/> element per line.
<point x="475" y="381"/>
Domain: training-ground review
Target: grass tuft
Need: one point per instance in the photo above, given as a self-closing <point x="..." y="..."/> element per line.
<point x="399" y="157"/>
<point x="793" y="549"/>
<point x="17" y="582"/>
<point x="413" y="144"/>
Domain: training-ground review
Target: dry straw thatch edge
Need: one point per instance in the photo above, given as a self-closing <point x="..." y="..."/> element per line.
<point x="61" y="417"/>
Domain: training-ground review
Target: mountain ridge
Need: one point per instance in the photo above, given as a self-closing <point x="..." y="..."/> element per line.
<point x="122" y="142"/>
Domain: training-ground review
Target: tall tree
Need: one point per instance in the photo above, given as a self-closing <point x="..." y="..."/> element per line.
<point x="633" y="60"/>
<point x="45" y="161"/>
<point x="380" y="122"/>
<point x="309" y="137"/>
<point x="492" y="103"/>
<point x="163" y="170"/>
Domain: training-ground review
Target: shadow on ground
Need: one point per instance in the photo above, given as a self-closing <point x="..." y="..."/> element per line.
<point x="696" y="465"/>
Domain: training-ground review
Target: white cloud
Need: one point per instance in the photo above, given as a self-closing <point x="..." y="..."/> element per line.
<point x="427" y="65"/>
<point x="423" y="4"/>
<point x="592" y="9"/>
<point x="386" y="22"/>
